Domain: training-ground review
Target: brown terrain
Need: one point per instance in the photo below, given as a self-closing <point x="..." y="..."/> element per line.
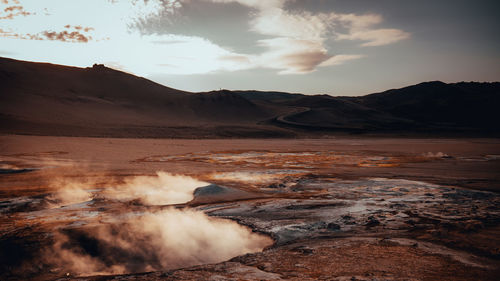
<point x="109" y="176"/>
<point x="47" y="99"/>
<point x="335" y="209"/>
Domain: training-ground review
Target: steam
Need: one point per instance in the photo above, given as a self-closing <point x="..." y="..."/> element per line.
<point x="164" y="189"/>
<point x="121" y="241"/>
<point x="69" y="192"/>
<point x="246" y="177"/>
<point x="436" y="155"/>
<point x="254" y="177"/>
<point x="155" y="241"/>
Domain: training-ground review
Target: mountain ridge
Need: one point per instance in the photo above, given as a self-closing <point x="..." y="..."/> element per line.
<point x="49" y="99"/>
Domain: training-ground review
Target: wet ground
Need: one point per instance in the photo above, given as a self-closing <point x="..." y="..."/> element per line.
<point x="333" y="209"/>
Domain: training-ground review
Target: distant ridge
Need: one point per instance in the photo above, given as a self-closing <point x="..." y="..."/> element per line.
<point x="48" y="99"/>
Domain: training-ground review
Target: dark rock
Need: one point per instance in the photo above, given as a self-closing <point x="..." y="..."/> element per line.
<point x="348" y="220"/>
<point x="411" y="222"/>
<point x="333" y="226"/>
<point x="372" y="221"/>
<point x="472" y="225"/>
<point x="276" y="185"/>
<point x="304" y="250"/>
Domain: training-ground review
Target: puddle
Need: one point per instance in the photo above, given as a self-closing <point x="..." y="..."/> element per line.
<point x="17" y="170"/>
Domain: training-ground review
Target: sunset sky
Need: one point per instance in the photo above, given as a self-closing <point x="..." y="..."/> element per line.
<point x="338" y="47"/>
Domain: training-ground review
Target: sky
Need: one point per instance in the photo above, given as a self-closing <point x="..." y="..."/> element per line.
<point x="336" y="47"/>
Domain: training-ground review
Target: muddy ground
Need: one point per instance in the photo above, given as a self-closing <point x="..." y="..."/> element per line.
<point x="311" y="209"/>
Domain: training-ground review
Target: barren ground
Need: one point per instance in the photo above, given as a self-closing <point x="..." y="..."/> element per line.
<point x="335" y="209"/>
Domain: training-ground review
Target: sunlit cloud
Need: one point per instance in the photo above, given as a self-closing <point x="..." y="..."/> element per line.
<point x="298" y="45"/>
<point x="293" y="56"/>
<point x="73" y="36"/>
<point x="340" y="59"/>
<point x="376" y="37"/>
<point x="361" y="28"/>
<point x="259" y="4"/>
<point x="12" y="9"/>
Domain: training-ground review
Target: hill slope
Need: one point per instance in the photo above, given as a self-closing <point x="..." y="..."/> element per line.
<point x="429" y="108"/>
<point x="437" y="104"/>
<point x="47" y="99"/>
<point x="43" y="98"/>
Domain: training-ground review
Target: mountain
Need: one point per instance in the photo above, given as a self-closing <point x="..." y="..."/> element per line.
<point x="47" y="99"/>
<point x="323" y="112"/>
<point x="41" y="98"/>
<point x="434" y="108"/>
<point x="440" y="105"/>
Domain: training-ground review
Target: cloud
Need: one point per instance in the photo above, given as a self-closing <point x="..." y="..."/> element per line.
<point x="298" y="43"/>
<point x="11" y="12"/>
<point x="66" y="36"/>
<point x="340" y="59"/>
<point x="293" y="56"/>
<point x="13" y="35"/>
<point x="361" y="28"/>
<point x="26" y="29"/>
<point x="278" y="22"/>
<point x="377" y="37"/>
<point x="13" y="8"/>
<point x="295" y="40"/>
<point x="258" y="4"/>
<point x="236" y="58"/>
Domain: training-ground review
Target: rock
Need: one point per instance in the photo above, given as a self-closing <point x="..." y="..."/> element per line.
<point x="372" y="221"/>
<point x="348" y="220"/>
<point x="472" y="225"/>
<point x="411" y="222"/>
<point x="333" y="226"/>
<point x="267" y="266"/>
<point x="304" y="250"/>
<point x="276" y="185"/>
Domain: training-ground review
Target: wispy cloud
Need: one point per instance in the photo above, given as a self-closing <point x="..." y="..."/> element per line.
<point x="76" y="35"/>
<point x="361" y="27"/>
<point x="340" y="59"/>
<point x="12" y="9"/>
<point x="71" y="34"/>
<point x="259" y="4"/>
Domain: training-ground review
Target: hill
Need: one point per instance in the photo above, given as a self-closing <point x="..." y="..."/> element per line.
<point x="47" y="99"/>
<point x="41" y="98"/>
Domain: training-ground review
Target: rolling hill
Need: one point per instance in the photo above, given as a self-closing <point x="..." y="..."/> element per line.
<point x="47" y="99"/>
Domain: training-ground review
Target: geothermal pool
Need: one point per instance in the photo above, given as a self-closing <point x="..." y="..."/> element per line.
<point x="147" y="224"/>
<point x="138" y="226"/>
<point x="249" y="214"/>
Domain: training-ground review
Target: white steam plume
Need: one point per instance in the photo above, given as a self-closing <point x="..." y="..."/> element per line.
<point x="155" y="241"/>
